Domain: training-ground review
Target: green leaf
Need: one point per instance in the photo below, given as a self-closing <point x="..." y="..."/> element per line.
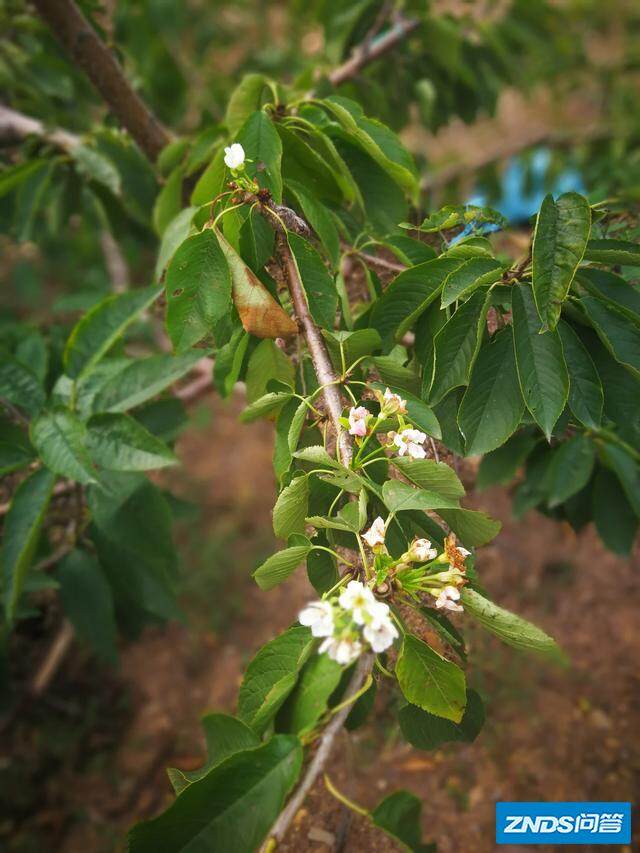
<point x="307" y="703"/>
<point x="211" y="182"/>
<point x="119" y="443"/>
<point x="168" y="202"/>
<point x="143" y="379"/>
<point x="559" y="242"/>
<point x="430" y="681"/>
<point x="231" y="808"/>
<point x="15" y="449"/>
<point x="174" y="234"/>
<point x="613" y="252"/>
<point x="21" y="533"/>
<point x="409" y="294"/>
<point x="87" y="601"/>
<point x="224" y="736"/>
<point x="542" y="371"/>
<point x="271" y="676"/>
<point x="571" y="469"/>
<point x="586" y="396"/>
<point x="613" y="515"/>
<point x="13" y="176"/>
<point x="469" y="276"/>
<point x="450" y="216"/>
<point x="511" y="629"/>
<point x="398" y="377"/>
<point x="627" y="470"/>
<point x="492" y="405"/>
<point x="317" y="455"/>
<point x="378" y="141"/>
<point x="399" y="496"/>
<point x="613" y="290"/>
<point x="96" y="167"/>
<point x="262" y="145"/>
<point x="323" y="174"/>
<point x="319" y="218"/>
<point x="319" y="287"/>
<point x="278" y="567"/>
<point x="619" y="334"/>
<point x="19" y="385"/>
<point x="60" y="438"/>
<point x="291" y="508"/>
<point x="267" y="362"/>
<point x="456" y="346"/>
<point x="101" y="327"/>
<point x="426" y="731"/>
<point x="471" y="526"/>
<point x="399" y="816"/>
<point x="131" y="528"/>
<point x="430" y="475"/>
<point x="500" y="466"/>
<point x="345" y="348"/>
<point x="321" y="567"/>
<point x="198" y="290"/>
<point x="265" y="405"/>
<point x="256" y="240"/>
<point x="296" y="426"/>
<point x="259" y="312"/>
<point x="245" y="99"/>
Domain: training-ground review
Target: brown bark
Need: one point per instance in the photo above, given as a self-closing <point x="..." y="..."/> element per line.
<point x="89" y="52"/>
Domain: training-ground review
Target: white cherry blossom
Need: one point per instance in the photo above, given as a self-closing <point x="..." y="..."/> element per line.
<point x="358" y="421"/>
<point x="234" y="156"/>
<point x="448" y="598"/>
<point x="318" y="615"/>
<point x="343" y="650"/>
<point x="422" y="551"/>
<point x="410" y="441"/>
<point x="374" y="537"/>
<point x="358" y="599"/>
<point x="380" y="634"/>
<point x="393" y="403"/>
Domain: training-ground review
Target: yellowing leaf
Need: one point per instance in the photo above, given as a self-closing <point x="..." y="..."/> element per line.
<point x="259" y="312"/>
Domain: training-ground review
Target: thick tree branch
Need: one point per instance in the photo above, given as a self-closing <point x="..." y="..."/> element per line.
<point x="88" y="51"/>
<point x="319" y="760"/>
<point x="372" y="49"/>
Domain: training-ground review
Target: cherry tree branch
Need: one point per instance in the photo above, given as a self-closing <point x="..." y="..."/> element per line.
<point x="319" y="760"/>
<point x="372" y="49"/>
<point x="14" y="127"/>
<point x="318" y="352"/>
<point x="89" y="52"/>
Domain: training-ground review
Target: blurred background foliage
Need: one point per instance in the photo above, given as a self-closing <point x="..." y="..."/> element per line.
<point x="574" y="64"/>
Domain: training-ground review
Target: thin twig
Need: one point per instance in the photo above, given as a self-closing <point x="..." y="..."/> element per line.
<point x="319" y="760"/>
<point x="52" y="660"/>
<point x="89" y="52"/>
<point x="14" y="127"/>
<point x="115" y="262"/>
<point x="371" y="50"/>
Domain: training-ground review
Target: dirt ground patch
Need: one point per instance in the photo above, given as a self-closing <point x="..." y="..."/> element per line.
<point x="551" y="733"/>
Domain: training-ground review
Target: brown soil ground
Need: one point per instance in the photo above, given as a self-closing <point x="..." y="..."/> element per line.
<point x="551" y="733"/>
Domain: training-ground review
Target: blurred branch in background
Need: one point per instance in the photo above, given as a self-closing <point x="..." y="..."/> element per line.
<point x="89" y="52"/>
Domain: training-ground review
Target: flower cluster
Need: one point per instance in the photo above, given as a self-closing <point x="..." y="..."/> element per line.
<point x="360" y="418"/>
<point x="348" y="621"/>
<point x="427" y="576"/>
